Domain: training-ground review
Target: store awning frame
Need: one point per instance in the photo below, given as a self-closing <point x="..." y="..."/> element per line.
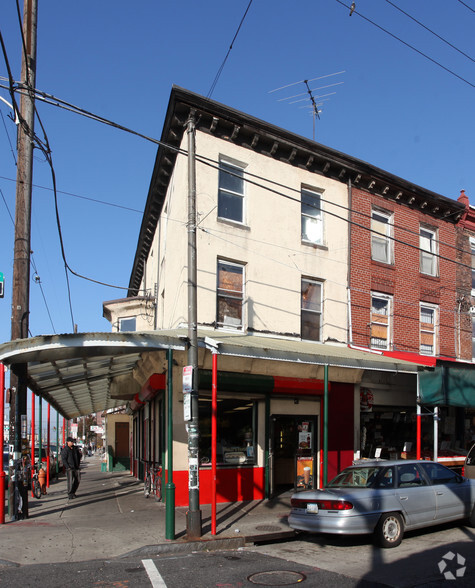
<point x="74" y="372"/>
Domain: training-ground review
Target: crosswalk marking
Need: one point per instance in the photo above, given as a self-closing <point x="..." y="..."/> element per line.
<point x="153" y="574"/>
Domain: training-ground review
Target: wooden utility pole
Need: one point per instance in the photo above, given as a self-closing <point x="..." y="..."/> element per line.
<point x="21" y="260"/>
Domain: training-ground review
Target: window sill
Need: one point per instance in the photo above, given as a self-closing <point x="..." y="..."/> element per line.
<point x="232" y="223"/>
<point x="315" y="245"/>
<point x="389" y="266"/>
<point x="430" y="277"/>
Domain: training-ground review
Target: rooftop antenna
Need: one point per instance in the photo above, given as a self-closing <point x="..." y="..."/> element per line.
<point x="314" y="105"/>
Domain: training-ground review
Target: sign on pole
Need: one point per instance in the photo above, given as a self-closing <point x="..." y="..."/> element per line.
<point x="187" y="389"/>
<point x="2" y="285"/>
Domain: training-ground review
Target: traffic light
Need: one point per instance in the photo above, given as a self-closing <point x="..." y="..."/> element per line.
<point x="2" y="285"/>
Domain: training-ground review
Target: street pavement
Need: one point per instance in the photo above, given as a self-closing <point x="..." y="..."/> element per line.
<point x="112" y="518"/>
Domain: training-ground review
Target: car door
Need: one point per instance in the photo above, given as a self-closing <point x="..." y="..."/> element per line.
<point x="416" y="497"/>
<point x="452" y="494"/>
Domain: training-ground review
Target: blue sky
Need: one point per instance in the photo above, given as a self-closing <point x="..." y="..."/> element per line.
<point x="395" y="109"/>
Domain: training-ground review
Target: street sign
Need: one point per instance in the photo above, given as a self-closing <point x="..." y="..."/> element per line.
<point x="2" y="285"/>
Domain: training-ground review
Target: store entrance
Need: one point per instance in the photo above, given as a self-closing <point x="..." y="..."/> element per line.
<point x="292" y="453"/>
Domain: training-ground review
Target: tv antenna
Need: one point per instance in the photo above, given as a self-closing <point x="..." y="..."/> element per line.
<point x="314" y="101"/>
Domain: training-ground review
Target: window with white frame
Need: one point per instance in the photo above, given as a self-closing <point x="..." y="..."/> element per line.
<point x="311" y="310"/>
<point x="381" y="233"/>
<point x="428" y="249"/>
<point x="380" y="336"/>
<point x="230" y="295"/>
<point x="127" y="324"/>
<point x="231" y="191"/>
<point x="428" y="329"/>
<point x="312" y="220"/>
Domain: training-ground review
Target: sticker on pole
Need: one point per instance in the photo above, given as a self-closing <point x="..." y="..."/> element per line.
<point x="187" y="389"/>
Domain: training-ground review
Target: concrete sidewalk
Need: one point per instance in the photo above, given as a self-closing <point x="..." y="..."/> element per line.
<point x="111" y="518"/>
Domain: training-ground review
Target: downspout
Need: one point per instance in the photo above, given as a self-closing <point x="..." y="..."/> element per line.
<point x="348" y="278"/>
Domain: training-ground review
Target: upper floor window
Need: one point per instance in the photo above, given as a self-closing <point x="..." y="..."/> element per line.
<point x="231" y="192"/>
<point x="381" y="232"/>
<point x="472" y="251"/>
<point x="127" y="324"/>
<point x="380" y="321"/>
<point x="312" y="222"/>
<point x="311" y="310"/>
<point x="230" y="295"/>
<point x="428" y="324"/>
<point x="428" y="248"/>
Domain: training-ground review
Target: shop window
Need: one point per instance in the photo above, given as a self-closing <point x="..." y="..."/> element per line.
<point x="236" y="431"/>
<point x="311" y="310"/>
<point x="230" y="295"/>
<point x="428" y="320"/>
<point x="311" y="215"/>
<point x="380" y="321"/>
<point x="428" y="251"/>
<point x="231" y="192"/>
<point x="381" y="232"/>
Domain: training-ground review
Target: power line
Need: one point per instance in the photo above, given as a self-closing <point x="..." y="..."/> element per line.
<point x="408" y="45"/>
<point x="430" y="30"/>
<point x="466" y="5"/>
<point x="220" y="70"/>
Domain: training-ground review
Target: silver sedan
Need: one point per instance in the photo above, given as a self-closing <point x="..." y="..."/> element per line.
<point x="385" y="498"/>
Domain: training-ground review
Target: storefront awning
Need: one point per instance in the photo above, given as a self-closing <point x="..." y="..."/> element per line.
<point x="448" y="385"/>
<point x="75" y="372"/>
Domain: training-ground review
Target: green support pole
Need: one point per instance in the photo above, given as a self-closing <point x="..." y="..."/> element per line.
<point x="325" y="426"/>
<point x="170" y="488"/>
<point x="266" y="448"/>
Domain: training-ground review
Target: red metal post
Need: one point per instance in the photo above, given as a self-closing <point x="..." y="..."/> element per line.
<point x="2" y="420"/>
<point x="214" y="408"/>
<point x="419" y="429"/>
<point x="47" y="446"/>
<point x="32" y="446"/>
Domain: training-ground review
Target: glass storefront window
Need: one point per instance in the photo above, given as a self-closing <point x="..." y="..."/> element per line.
<point x="236" y="433"/>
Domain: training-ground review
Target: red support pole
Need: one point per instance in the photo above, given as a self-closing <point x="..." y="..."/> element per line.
<point x="214" y="410"/>
<point x="47" y="446"/>
<point x="32" y="440"/>
<point x="2" y="419"/>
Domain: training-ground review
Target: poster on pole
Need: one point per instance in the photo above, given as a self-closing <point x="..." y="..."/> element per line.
<point x="187" y="390"/>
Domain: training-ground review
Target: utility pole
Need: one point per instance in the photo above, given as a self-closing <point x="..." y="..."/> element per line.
<point x="21" y="260"/>
<point x="193" y="516"/>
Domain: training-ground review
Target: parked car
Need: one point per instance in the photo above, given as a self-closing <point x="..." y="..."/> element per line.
<point x="385" y="498"/>
<point x="469" y="466"/>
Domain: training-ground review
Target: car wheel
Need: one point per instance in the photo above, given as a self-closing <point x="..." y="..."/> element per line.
<point x="389" y="530"/>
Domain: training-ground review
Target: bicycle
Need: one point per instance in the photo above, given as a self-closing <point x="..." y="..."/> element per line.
<point x="35" y="483"/>
<point x="152" y="483"/>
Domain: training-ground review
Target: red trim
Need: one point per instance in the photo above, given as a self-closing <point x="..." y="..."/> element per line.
<point x="300" y="386"/>
<point x="412" y="357"/>
<point x="154" y="384"/>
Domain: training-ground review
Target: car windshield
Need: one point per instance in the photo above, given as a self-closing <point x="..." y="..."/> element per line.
<point x="360" y="477"/>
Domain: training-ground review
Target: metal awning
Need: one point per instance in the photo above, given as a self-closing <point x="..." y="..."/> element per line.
<point x="74" y="372"/>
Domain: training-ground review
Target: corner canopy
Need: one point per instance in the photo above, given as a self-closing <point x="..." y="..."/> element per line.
<point x="75" y="372"/>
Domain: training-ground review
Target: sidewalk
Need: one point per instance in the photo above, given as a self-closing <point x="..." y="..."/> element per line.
<point x="111" y="518"/>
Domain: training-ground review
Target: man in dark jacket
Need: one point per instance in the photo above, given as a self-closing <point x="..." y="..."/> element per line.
<point x="71" y="460"/>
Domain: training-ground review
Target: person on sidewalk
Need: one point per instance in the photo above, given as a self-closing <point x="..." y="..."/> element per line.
<point x="71" y="460"/>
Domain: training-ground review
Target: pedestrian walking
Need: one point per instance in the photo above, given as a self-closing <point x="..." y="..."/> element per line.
<point x="71" y="460"/>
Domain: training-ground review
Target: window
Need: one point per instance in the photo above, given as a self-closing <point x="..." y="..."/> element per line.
<point x="230" y="295"/>
<point x="231" y="192"/>
<point x="428" y="322"/>
<point x="127" y="324"/>
<point x="380" y="321"/>
<point x="312" y="224"/>
<point x="311" y="312"/>
<point x="381" y="243"/>
<point x="439" y="474"/>
<point x="236" y="434"/>
<point x="428" y="247"/>
<point x="472" y="251"/>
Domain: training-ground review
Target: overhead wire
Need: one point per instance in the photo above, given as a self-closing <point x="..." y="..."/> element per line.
<point x="430" y="30"/>
<point x="220" y="70"/>
<point x="434" y="61"/>
<point x="466" y="5"/>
